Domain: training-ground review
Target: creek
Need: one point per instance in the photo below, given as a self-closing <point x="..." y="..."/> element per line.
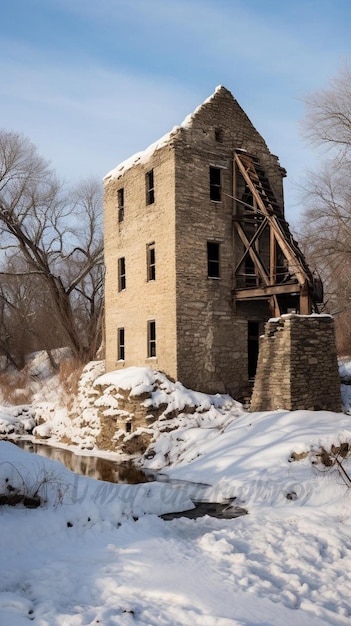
<point x="86" y="465"/>
<point x="108" y="470"/>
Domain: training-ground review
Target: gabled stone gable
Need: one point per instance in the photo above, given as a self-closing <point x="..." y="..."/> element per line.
<point x="223" y="112"/>
<point x="220" y="111"/>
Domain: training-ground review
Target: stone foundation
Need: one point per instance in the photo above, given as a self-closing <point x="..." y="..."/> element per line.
<point x="297" y="365"/>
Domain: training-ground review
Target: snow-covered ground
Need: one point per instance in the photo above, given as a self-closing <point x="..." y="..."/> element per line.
<point x="97" y="553"/>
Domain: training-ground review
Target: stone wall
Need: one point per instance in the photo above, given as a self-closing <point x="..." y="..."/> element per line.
<point x="297" y="365"/>
<point x="121" y="414"/>
<point x="142" y="299"/>
<point x="212" y="338"/>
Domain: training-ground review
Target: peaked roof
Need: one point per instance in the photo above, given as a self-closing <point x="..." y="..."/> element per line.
<point x="144" y="155"/>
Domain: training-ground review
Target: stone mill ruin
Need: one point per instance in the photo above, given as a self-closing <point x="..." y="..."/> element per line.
<point x="199" y="257"/>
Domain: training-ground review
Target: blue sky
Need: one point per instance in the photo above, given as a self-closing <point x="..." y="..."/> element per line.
<point x="90" y="82"/>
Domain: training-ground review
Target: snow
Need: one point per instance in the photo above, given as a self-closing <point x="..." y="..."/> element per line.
<point x="98" y="553"/>
<point x="140" y="380"/>
<point x="144" y="156"/>
<point x="140" y="157"/>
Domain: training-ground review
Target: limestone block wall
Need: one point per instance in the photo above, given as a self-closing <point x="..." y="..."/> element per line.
<point x="297" y="365"/>
<point x="142" y="299"/>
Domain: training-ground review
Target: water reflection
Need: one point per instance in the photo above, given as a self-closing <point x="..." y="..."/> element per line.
<point x="94" y="467"/>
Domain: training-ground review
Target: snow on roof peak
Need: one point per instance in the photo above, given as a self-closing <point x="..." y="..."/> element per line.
<point x="144" y="155"/>
<point x="141" y="157"/>
<point x="186" y="123"/>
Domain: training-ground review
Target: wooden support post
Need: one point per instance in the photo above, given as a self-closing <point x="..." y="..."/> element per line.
<point x="305" y="301"/>
<point x="272" y="257"/>
<point x="274" y="306"/>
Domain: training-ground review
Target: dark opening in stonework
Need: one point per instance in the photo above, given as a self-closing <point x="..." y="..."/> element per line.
<point x="219" y="134"/>
<point x="212" y="259"/>
<point x="252" y="347"/>
<point x="150" y="188"/>
<point x="215" y="184"/>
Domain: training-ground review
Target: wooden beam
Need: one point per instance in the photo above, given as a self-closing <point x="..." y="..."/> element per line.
<point x="252" y="293"/>
<point x="274" y="305"/>
<point x="272" y="257"/>
<point x="305" y="301"/>
<point x="251" y="242"/>
<point x="253" y="254"/>
<point x="289" y="253"/>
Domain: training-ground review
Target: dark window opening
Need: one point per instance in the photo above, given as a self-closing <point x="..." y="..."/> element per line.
<point x="215" y="184"/>
<point x="253" y="329"/>
<point x="219" y="134"/>
<point x="212" y="259"/>
<point x="150" y="189"/>
<point x="151" y="262"/>
<point x="120" y="203"/>
<point x="151" y="339"/>
<point x="128" y="427"/>
<point x="121" y="346"/>
<point x="121" y="274"/>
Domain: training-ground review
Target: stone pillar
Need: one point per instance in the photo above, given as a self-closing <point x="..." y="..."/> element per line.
<point x="297" y="365"/>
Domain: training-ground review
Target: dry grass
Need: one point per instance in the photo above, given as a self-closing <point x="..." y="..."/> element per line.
<point x="70" y="372"/>
<point x="67" y="441"/>
<point x="16" y="387"/>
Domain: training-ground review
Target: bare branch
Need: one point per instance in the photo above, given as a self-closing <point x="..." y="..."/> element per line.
<point x="56" y="236"/>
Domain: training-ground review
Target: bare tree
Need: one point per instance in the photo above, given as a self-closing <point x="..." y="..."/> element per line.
<point x="325" y="229"/>
<point x="24" y="309"/>
<point x="53" y="237"/>
<point x="13" y="340"/>
<point x="327" y="121"/>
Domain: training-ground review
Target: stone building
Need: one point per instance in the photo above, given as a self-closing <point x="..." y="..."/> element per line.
<point x="198" y="253"/>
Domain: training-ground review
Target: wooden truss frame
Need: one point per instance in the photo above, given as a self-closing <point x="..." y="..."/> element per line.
<point x="299" y="280"/>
